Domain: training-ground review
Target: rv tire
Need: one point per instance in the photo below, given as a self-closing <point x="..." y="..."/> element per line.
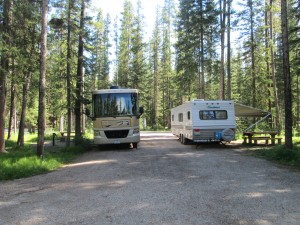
<point x="134" y="145"/>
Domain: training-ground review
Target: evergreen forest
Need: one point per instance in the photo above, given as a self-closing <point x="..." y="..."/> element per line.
<point x="55" y="53"/>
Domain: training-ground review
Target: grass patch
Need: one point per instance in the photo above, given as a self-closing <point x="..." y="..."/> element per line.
<point x="281" y="155"/>
<point x="23" y="162"/>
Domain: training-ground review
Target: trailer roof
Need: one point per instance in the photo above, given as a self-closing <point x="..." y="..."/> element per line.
<point x="248" y="111"/>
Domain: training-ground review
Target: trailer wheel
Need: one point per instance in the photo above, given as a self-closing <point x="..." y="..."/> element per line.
<point x="183" y="139"/>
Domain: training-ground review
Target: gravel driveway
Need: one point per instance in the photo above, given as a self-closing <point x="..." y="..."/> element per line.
<point x="162" y="182"/>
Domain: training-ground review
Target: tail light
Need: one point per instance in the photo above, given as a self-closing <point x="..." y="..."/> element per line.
<point x="196" y="131"/>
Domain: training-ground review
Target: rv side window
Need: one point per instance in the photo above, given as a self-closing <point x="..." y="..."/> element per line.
<point x="188" y="115"/>
<point x="213" y="114"/>
<point x="172" y="117"/>
<point x="180" y="117"/>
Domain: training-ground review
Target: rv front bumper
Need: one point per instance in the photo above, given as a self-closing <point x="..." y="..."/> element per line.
<point x="102" y="137"/>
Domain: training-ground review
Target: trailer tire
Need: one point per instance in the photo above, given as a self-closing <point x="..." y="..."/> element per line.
<point x="183" y="139"/>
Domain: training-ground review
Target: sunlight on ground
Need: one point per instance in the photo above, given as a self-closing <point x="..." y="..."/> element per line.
<point x="91" y="163"/>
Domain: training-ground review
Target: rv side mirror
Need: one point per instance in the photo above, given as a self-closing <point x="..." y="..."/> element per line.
<point x="141" y="111"/>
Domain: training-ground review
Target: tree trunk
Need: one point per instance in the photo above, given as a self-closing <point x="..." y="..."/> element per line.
<point x="12" y="107"/>
<point x="78" y="102"/>
<point x="228" y="51"/>
<point x="5" y="56"/>
<point x="202" y="80"/>
<point x="276" y="100"/>
<point x="41" y="115"/>
<point x="286" y="77"/>
<point x="252" y="54"/>
<point x="20" y="141"/>
<point x="222" y="24"/>
<point x="69" y="119"/>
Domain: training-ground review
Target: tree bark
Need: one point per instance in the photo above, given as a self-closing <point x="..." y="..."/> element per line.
<point x="222" y="23"/>
<point x="228" y="51"/>
<point x="252" y="54"/>
<point x="5" y="56"/>
<point x="20" y="141"/>
<point x="286" y="77"/>
<point x="79" y="83"/>
<point x="69" y="119"/>
<point x="12" y="107"/>
<point x="41" y="115"/>
<point x="276" y="100"/>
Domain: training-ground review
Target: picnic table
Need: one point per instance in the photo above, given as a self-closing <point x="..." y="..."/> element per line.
<point x="252" y="137"/>
<point x="64" y="134"/>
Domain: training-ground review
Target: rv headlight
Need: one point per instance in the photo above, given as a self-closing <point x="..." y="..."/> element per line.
<point x="97" y="133"/>
<point x="136" y="130"/>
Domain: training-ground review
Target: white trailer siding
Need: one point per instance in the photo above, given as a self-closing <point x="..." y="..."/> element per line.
<point x="204" y="121"/>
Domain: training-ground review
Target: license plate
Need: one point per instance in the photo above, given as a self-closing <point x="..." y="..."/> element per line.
<point x="117" y="142"/>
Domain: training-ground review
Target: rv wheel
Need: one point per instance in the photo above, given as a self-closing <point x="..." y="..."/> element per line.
<point x="134" y="145"/>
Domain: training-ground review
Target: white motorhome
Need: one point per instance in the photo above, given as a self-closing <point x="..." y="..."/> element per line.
<point x="204" y="121"/>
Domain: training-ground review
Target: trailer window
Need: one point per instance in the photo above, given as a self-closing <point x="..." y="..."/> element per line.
<point x="180" y="117"/>
<point x="172" y="117"/>
<point x="213" y="114"/>
<point x="188" y="115"/>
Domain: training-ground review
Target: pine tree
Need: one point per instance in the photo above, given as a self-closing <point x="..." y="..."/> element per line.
<point x="168" y="14"/>
<point x="155" y="63"/>
<point x="41" y="118"/>
<point x="80" y="76"/>
<point x="124" y="57"/>
<point x="138" y="63"/>
<point x="5" y="57"/>
<point x="286" y="77"/>
<point x="99" y="48"/>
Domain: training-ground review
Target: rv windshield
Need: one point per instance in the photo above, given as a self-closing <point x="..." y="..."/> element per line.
<point x="115" y="104"/>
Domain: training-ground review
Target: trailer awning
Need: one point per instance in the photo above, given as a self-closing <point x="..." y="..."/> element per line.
<point x="248" y="111"/>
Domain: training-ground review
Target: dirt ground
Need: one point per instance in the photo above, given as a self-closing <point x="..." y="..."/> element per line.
<point x="161" y="182"/>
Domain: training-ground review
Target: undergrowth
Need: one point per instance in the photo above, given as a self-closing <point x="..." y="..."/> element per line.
<point x="22" y="162"/>
<point x="278" y="153"/>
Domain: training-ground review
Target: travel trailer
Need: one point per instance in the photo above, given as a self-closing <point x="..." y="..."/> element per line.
<point x="116" y="114"/>
<point x="204" y="121"/>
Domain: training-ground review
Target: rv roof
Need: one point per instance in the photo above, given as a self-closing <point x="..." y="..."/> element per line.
<point x="123" y="90"/>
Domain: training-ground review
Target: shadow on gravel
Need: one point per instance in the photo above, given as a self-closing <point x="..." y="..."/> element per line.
<point x="117" y="147"/>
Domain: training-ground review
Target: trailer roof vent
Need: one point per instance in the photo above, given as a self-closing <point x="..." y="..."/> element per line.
<point x="114" y="87"/>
